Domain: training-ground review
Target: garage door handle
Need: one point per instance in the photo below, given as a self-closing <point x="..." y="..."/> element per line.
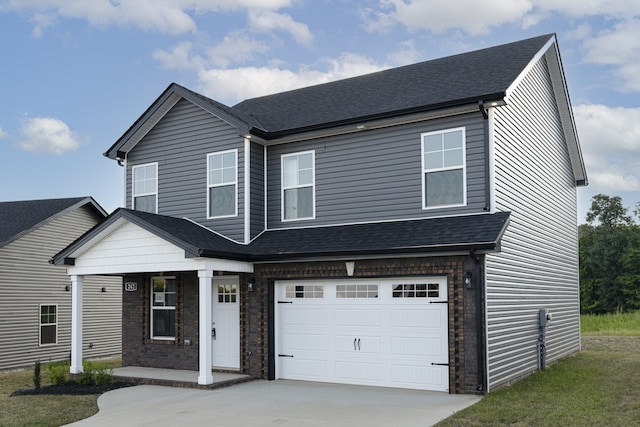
<point x="439" y="364"/>
<point x="285" y="355"/>
<point x="358" y="344"/>
<point x="438" y="302"/>
<point x="354" y="343"/>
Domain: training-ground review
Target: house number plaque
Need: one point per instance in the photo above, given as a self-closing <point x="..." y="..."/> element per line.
<point x="131" y="286"/>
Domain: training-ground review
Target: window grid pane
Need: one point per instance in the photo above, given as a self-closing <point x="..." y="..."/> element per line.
<point x="304" y="291"/>
<point x="419" y="290"/>
<point x="357" y="291"/>
<point x="163" y="304"/>
<point x="222" y="184"/>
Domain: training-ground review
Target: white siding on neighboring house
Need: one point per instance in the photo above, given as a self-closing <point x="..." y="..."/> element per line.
<point x="27" y="280"/>
<point x="538" y="264"/>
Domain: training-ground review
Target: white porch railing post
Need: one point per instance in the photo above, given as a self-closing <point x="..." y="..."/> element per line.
<point x="77" y="282"/>
<point x="205" y="319"/>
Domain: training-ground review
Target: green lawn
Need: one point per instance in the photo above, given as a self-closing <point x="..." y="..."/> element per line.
<point x="600" y="386"/>
<point x="43" y="411"/>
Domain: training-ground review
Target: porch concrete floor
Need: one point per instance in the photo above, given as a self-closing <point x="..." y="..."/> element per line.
<point x="175" y="377"/>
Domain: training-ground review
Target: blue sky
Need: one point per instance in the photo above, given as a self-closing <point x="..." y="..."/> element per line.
<point x="75" y="74"/>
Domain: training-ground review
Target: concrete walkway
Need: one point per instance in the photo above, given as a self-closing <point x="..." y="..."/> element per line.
<point x="270" y="403"/>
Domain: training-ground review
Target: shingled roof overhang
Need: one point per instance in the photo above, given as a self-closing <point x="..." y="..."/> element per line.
<point x="452" y="234"/>
<point x="480" y="233"/>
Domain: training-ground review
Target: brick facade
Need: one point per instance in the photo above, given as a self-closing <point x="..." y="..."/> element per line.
<point x="139" y="350"/>
<point x="137" y="347"/>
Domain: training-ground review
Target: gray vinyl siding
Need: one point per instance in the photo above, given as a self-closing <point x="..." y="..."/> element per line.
<point x="376" y="175"/>
<point x="28" y="280"/>
<point x="179" y="143"/>
<point x="538" y="265"/>
<point x="257" y="190"/>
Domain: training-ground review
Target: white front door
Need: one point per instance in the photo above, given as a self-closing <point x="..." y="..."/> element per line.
<point x="382" y="332"/>
<point x="225" y="328"/>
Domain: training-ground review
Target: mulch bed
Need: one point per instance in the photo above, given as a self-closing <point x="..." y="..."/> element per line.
<point x="71" y="387"/>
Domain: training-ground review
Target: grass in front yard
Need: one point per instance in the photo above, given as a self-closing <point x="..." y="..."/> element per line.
<point x="625" y="324"/>
<point x="599" y="386"/>
<point x="43" y="410"/>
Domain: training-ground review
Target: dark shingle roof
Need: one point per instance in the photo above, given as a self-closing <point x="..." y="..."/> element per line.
<point x="19" y="217"/>
<point x="477" y="232"/>
<point x="483" y="74"/>
<point x="480" y="232"/>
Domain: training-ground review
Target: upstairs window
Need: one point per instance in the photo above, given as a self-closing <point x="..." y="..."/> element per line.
<point x="48" y="324"/>
<point x="443" y="168"/>
<point x="222" y="184"/>
<point x="298" y="186"/>
<point x="145" y="188"/>
<point x="163" y="308"/>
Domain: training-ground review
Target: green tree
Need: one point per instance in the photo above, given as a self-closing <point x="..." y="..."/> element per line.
<point x="608" y="211"/>
<point x="609" y="258"/>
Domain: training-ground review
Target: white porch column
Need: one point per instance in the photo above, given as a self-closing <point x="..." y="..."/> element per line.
<point x="205" y="318"/>
<point x="77" y="283"/>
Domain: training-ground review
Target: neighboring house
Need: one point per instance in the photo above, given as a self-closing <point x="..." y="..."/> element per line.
<point x="403" y="228"/>
<point x="35" y="296"/>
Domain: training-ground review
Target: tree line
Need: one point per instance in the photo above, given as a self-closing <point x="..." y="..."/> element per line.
<point x="609" y="257"/>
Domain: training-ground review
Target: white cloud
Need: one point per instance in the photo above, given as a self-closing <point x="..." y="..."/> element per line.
<point x="267" y="21"/>
<point x="610" y="141"/>
<point x="619" y="47"/>
<point x="47" y="135"/>
<point x="3" y="133"/>
<point x="167" y="16"/>
<point x="478" y="17"/>
<point x="234" y="85"/>
<point x="438" y="16"/>
<point x="235" y="48"/>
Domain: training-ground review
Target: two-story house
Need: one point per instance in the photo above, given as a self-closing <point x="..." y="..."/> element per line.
<point x="414" y="227"/>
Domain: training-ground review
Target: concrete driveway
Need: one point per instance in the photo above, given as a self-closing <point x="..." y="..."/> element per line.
<point x="274" y="403"/>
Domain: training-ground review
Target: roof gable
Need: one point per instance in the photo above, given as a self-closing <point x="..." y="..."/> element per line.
<point x="161" y="106"/>
<point x="20" y="217"/>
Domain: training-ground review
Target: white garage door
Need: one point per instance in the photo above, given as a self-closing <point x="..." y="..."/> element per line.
<point x="390" y="333"/>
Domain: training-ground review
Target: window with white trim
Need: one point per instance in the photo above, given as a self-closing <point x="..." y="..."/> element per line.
<point x="48" y="324"/>
<point x="304" y="291"/>
<point x="443" y="168"/>
<point x="357" y="291"/>
<point x="145" y="187"/>
<point x="298" y="186"/>
<point x="163" y="308"/>
<point x="222" y="184"/>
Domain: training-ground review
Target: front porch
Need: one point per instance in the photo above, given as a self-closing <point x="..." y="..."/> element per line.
<point x="176" y="377"/>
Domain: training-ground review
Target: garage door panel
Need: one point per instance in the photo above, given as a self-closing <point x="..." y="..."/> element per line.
<point x="357" y="317"/>
<point x="304" y="368"/>
<point x="358" y="371"/>
<point x="375" y="338"/>
<point x="416" y="346"/>
<point x="304" y="342"/>
<point x="418" y="317"/>
<point x="422" y="377"/>
<point x="294" y="315"/>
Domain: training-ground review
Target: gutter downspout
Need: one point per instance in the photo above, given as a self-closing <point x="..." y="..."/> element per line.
<point x="479" y="321"/>
<point x="487" y="165"/>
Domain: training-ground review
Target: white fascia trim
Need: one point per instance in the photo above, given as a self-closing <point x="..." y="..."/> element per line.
<point x="528" y="68"/>
<point x="247" y="191"/>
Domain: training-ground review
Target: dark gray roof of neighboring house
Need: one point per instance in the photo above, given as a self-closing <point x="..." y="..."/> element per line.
<point x="484" y="74"/>
<point x="20" y="217"/>
<point x="463" y="233"/>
